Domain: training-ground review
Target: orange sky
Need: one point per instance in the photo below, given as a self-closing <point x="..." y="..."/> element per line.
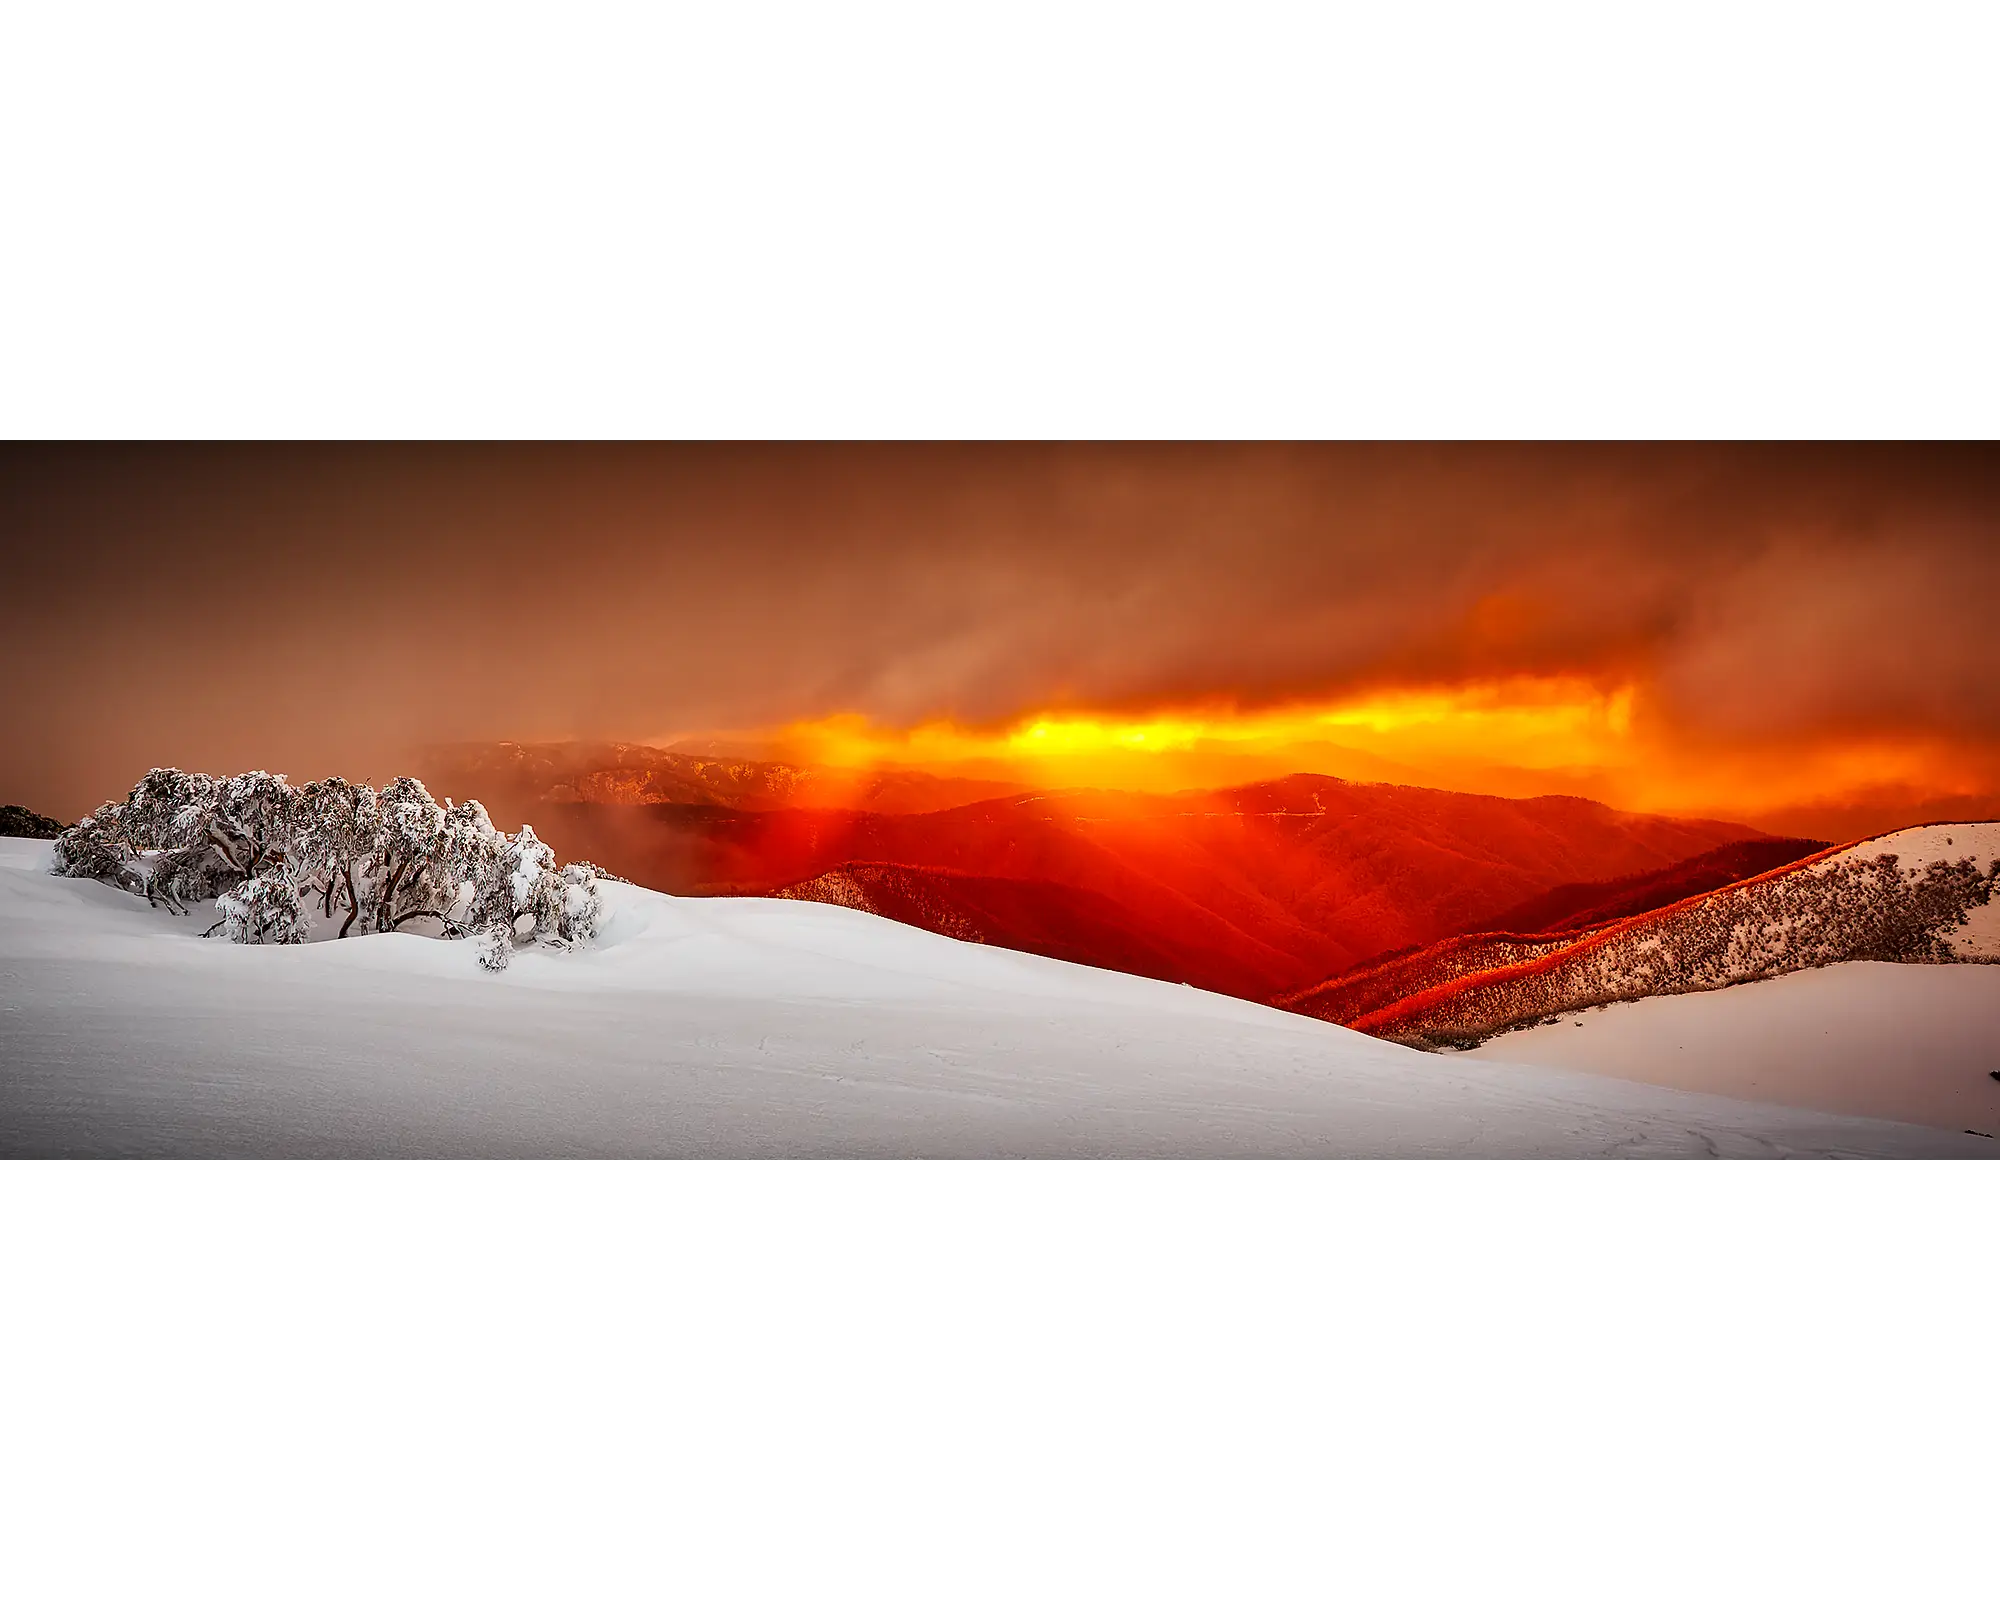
<point x="1799" y="636"/>
<point x="1567" y="723"/>
<point x="1519" y="736"/>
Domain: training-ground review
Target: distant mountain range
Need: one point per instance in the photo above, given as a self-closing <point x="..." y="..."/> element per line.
<point x="641" y="774"/>
<point x="1421" y="915"/>
<point x="1250" y="891"/>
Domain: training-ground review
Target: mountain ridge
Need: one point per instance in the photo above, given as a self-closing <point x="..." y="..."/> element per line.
<point x="1253" y="890"/>
<point x="1849" y="902"/>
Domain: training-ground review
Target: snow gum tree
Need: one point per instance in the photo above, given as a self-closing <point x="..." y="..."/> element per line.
<point x="282" y="862"/>
<point x="534" y="887"/>
<point x="265" y="909"/>
<point x="410" y="850"/>
<point x="172" y="818"/>
<point x="251" y="819"/>
<point x="170" y="809"/>
<point x="526" y="900"/>
<point x="336" y="825"/>
<point x="97" y="848"/>
<point x="471" y="851"/>
<point x="161" y="841"/>
<point x="581" y="904"/>
<point x="189" y="837"/>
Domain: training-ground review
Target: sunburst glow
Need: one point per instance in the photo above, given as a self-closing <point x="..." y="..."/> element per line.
<point x="1545" y="723"/>
<point x="1518" y="736"/>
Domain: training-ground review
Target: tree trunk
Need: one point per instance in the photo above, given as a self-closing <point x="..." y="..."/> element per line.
<point x="353" y="902"/>
<point x="383" y="911"/>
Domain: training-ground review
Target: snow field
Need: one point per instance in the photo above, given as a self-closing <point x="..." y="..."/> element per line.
<point x="745" y="1028"/>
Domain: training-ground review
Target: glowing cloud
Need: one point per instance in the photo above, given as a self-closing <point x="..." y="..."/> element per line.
<point x="1515" y="736"/>
<point x="1538" y="723"/>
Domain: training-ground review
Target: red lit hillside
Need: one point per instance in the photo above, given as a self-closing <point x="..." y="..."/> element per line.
<point x="1571" y="906"/>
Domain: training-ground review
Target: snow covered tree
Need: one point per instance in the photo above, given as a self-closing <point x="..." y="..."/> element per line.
<point x="198" y="836"/>
<point x="524" y="899"/>
<point x="174" y="815"/>
<point x="337" y="825"/>
<point x="471" y="854"/>
<point x="273" y="857"/>
<point x="97" y="848"/>
<point x="496" y="947"/>
<point x="410" y="856"/>
<point x="534" y="887"/>
<point x="387" y="858"/>
<point x="153" y="843"/>
<point x="251" y="820"/>
<point x="169" y="809"/>
<point x="581" y="904"/>
<point x="265" y="909"/>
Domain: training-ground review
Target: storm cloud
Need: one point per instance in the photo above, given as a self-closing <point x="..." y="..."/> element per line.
<point x="333" y="607"/>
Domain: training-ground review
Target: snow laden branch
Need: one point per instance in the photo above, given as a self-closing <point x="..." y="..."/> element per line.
<point x="331" y="857"/>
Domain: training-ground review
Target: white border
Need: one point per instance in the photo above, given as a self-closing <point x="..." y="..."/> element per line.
<point x="995" y="1379"/>
<point x="1074" y="219"/>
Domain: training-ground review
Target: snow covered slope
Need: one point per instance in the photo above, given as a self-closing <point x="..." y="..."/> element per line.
<point x="1922" y="895"/>
<point x="1866" y="1038"/>
<point x="745" y="1028"/>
